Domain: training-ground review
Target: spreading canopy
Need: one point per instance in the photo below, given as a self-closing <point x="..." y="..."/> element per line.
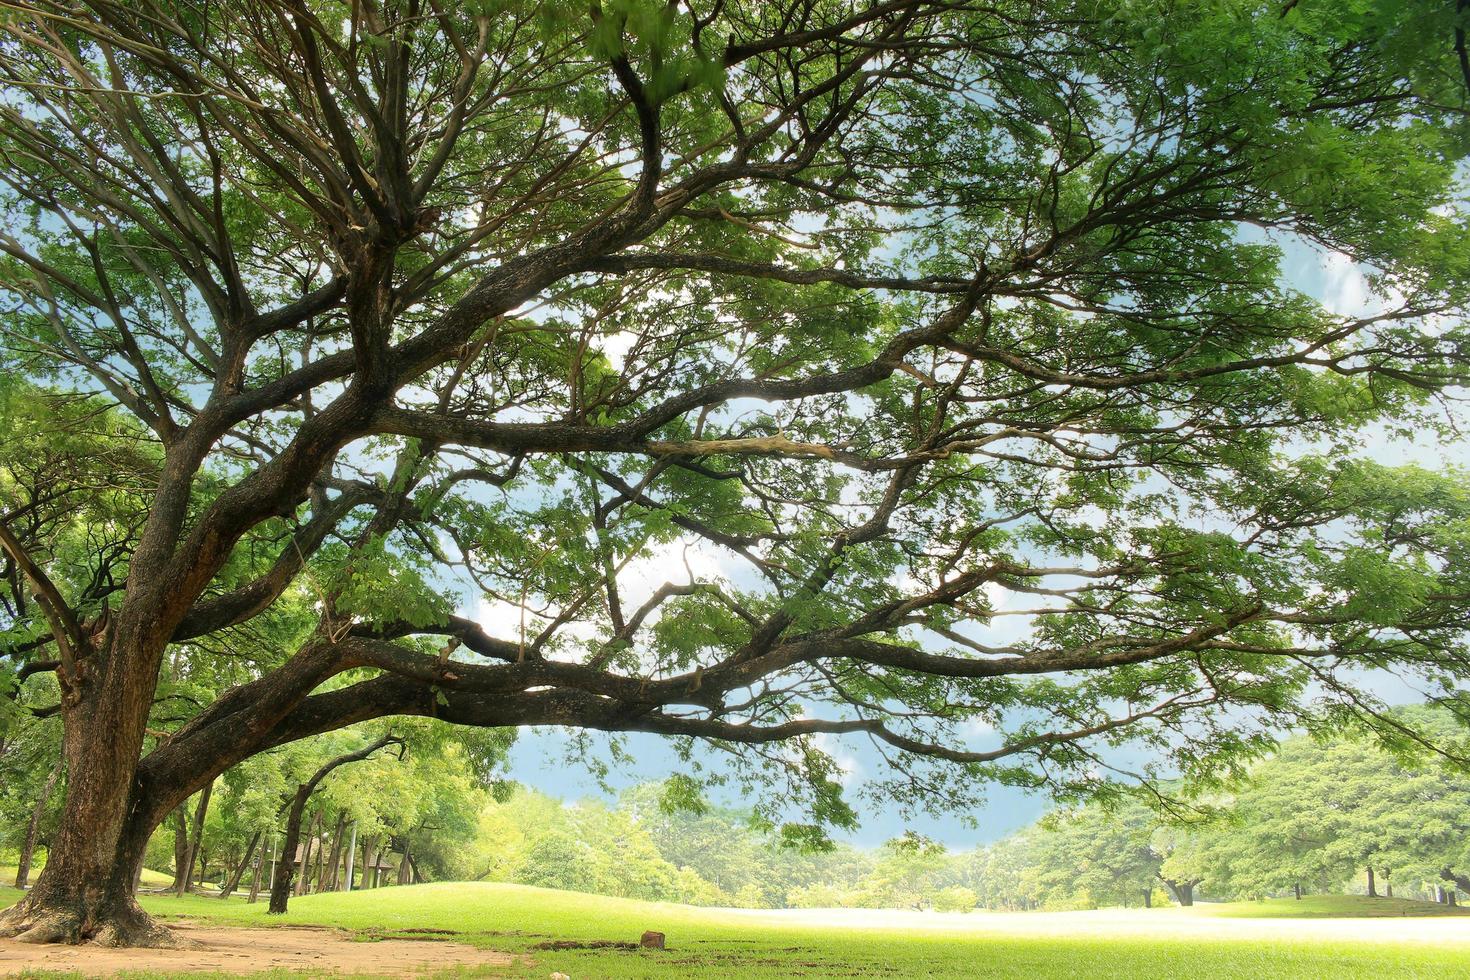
<point x="747" y="372"/>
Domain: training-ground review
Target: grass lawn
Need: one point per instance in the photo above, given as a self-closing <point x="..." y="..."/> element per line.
<point x="1332" y="907"/>
<point x="715" y="943"/>
<point x="150" y="879"/>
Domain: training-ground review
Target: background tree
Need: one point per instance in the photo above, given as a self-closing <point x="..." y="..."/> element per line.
<point x="448" y="330"/>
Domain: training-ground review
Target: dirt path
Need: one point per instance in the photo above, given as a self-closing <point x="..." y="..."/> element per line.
<point x="233" y="950"/>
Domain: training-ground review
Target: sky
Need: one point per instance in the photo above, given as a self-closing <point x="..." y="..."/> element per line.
<point x="541" y="757"/>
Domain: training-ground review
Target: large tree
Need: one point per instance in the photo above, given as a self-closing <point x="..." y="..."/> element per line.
<point x="455" y="325"/>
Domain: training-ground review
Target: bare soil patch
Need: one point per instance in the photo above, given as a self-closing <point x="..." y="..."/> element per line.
<point x="236" y="950"/>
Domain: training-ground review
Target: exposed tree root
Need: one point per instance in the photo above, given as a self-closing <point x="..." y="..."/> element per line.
<point x="121" y="923"/>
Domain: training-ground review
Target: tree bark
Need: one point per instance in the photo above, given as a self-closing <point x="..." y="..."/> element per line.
<point x="1297" y="888"/>
<point x="33" y="828"/>
<point x="413" y="870"/>
<point x="321" y="854"/>
<point x="281" y="887"/>
<point x="369" y="862"/>
<point x="255" y="874"/>
<point x="303" y="867"/>
<point x="351" y="853"/>
<point x="1387" y="883"/>
<point x="1148" y="898"/>
<point x="1372" y="884"/>
<point x="1183" y="891"/>
<point x="196" y="831"/>
<point x="405" y="868"/>
<point x="239" y="872"/>
<point x="329" y="884"/>
<point x="181" y="846"/>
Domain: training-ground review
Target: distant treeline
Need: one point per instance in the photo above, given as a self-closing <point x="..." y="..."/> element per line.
<point x="1318" y="816"/>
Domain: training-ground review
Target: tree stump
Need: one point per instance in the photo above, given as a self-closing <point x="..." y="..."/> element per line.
<point x="652" y="940"/>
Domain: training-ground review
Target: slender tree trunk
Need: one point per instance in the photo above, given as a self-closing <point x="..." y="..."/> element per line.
<point x="1297" y="888"/>
<point x="351" y="853"/>
<point x="405" y="869"/>
<point x="286" y="867"/>
<point x="1388" y="883"/>
<point x="191" y="849"/>
<point x="334" y="863"/>
<point x="321" y="854"/>
<point x="181" y="846"/>
<point x="33" y="828"/>
<point x="413" y="871"/>
<point x="301" y="868"/>
<point x="281" y="888"/>
<point x="1372" y="884"/>
<point x="239" y="872"/>
<point x="255" y="873"/>
<point x="1148" y="898"/>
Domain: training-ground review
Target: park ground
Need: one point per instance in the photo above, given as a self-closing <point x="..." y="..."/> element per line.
<point x="497" y="930"/>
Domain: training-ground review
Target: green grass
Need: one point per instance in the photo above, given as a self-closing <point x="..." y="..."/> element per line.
<point x="150" y="879"/>
<point x="1332" y="907"/>
<point x="709" y="943"/>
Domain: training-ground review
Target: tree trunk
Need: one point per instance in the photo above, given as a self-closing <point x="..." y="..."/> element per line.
<point x="1183" y="891"/>
<point x="85" y="892"/>
<point x="405" y="869"/>
<point x="196" y="831"/>
<point x="28" y="846"/>
<point x="181" y="847"/>
<point x="413" y="871"/>
<point x="351" y="853"/>
<point x="255" y="873"/>
<point x="1387" y="883"/>
<point x="234" y="881"/>
<point x="1148" y="898"/>
<point x="302" y="868"/>
<point x="321" y="854"/>
<point x="281" y="887"/>
<point x="334" y="863"/>
<point x="1297" y="888"/>
<point x="1372" y="884"/>
<point x="286" y="868"/>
